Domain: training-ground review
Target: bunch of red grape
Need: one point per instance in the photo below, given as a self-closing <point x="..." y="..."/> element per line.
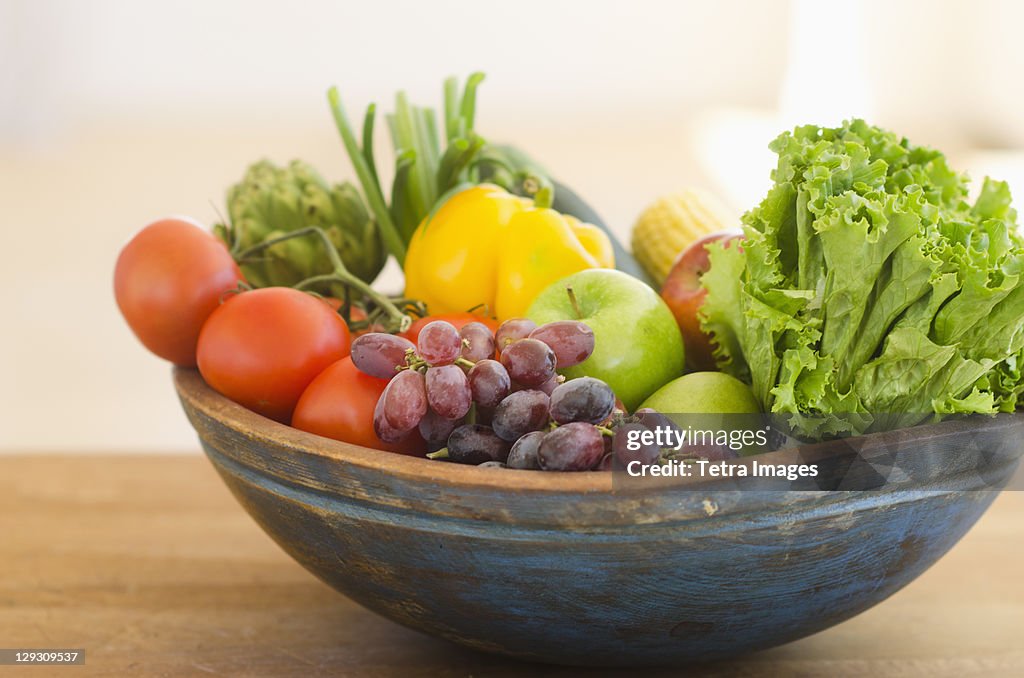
<point x="472" y="408"/>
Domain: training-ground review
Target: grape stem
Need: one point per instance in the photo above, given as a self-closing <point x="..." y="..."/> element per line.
<point x="412" y="362"/>
<point x="413" y="365"/>
<point x="605" y="431"/>
<point x="340" y="274"/>
<point x="440" y="454"/>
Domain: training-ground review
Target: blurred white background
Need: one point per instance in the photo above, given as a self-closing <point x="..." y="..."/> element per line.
<point x="114" y="113"/>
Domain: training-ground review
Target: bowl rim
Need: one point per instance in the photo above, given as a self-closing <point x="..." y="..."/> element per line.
<point x="194" y="390"/>
<point x="196" y="394"/>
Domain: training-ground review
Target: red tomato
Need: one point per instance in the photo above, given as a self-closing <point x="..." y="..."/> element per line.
<point x="263" y="348"/>
<point x="168" y="279"/>
<point x="457" y="319"/>
<point x="339" y="404"/>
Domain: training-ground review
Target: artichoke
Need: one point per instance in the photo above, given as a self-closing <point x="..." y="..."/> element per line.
<point x="273" y="201"/>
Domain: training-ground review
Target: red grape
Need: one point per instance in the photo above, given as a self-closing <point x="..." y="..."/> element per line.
<point x="435" y="429"/>
<point x="645" y="454"/>
<point x="529" y="361"/>
<point x="384" y="430"/>
<point x="653" y="419"/>
<point x="448" y="391"/>
<point x="405" y="400"/>
<point x="523" y="454"/>
<point x="379" y="354"/>
<point x="477" y="341"/>
<point x="512" y="330"/>
<point x="520" y="413"/>
<point x="476" y="444"/>
<point x="571" y="340"/>
<point x="439" y="343"/>
<point x="489" y="382"/>
<point x="571" y="447"/>
<point x="584" y="399"/>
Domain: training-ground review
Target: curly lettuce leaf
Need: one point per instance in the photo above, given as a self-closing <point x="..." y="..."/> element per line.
<point x="869" y="293"/>
<point x="721" y="312"/>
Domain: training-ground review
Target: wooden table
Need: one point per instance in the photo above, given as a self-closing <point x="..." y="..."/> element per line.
<point x="149" y="564"/>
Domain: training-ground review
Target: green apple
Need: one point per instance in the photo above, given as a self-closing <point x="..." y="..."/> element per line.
<point x="704" y="393"/>
<point x="713" y="401"/>
<point x="637" y="344"/>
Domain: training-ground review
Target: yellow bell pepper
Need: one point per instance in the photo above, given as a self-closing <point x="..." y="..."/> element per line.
<point x="485" y="246"/>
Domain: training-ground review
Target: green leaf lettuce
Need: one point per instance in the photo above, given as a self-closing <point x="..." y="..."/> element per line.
<point x="869" y="293"/>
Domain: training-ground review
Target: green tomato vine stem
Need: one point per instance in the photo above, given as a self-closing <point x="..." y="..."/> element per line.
<point x="339" y="275"/>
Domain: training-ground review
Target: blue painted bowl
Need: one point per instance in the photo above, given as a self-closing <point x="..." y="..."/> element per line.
<point x="567" y="569"/>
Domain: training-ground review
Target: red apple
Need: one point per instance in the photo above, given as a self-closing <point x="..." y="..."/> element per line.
<point x="684" y="295"/>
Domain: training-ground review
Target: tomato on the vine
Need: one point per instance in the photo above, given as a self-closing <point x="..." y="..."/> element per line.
<point x="458" y="319"/>
<point x="339" y="404"/>
<point x="262" y="348"/>
<point x="167" y="281"/>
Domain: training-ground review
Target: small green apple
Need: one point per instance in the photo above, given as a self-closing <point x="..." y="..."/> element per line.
<point x="704" y="393"/>
<point x="712" y="401"/>
<point x="637" y="343"/>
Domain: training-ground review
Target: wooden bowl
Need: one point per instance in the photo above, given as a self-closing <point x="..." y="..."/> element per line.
<point x="565" y="568"/>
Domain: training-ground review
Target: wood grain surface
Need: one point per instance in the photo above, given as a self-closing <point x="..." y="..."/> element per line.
<point x="150" y="565"/>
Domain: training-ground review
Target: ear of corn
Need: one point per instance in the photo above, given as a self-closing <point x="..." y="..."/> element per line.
<point x="672" y="223"/>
